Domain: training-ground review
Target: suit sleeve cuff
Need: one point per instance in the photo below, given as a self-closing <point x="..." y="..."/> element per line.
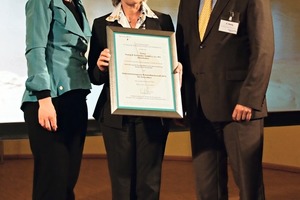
<point x="42" y="94"/>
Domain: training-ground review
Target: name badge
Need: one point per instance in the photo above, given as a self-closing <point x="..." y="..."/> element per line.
<point x="230" y="24"/>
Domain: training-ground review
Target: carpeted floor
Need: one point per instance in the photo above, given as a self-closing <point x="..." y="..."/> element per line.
<point x="177" y="181"/>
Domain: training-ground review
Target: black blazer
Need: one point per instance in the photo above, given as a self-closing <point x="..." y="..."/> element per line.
<point x="226" y="69"/>
<point x="102" y="110"/>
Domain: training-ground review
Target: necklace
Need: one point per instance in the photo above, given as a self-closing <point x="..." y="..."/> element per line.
<point x="132" y="20"/>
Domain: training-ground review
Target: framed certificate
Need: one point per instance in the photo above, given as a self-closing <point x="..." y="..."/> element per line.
<point x="142" y="81"/>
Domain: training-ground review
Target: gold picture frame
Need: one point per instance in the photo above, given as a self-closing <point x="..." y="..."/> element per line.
<point x="141" y="73"/>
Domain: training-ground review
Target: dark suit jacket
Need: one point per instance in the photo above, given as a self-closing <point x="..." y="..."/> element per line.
<point x="226" y="69"/>
<point x="98" y="43"/>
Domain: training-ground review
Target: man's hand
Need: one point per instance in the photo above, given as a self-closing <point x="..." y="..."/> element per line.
<point x="241" y="113"/>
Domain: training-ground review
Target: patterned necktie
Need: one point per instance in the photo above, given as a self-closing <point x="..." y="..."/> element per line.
<point x="204" y="17"/>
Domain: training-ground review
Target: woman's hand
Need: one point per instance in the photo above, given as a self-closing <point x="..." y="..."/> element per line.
<point x="47" y="114"/>
<point x="179" y="70"/>
<point x="103" y="60"/>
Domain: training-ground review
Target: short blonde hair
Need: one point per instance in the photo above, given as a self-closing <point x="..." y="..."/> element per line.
<point x="116" y="2"/>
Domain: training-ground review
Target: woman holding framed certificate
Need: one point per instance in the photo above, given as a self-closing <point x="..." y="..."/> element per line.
<point x="135" y="145"/>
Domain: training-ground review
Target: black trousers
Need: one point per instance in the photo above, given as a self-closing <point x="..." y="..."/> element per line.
<point x="57" y="155"/>
<point x="135" y="154"/>
<point x="213" y="144"/>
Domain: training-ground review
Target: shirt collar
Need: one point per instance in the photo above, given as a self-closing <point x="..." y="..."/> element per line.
<point x="118" y="14"/>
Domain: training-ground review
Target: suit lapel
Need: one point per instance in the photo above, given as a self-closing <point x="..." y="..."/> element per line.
<point x="152" y="24"/>
<point x="195" y="9"/>
<point x="219" y="7"/>
<point x="86" y="26"/>
<point x="71" y="23"/>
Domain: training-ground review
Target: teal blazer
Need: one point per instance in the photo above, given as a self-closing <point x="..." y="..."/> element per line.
<point x="55" y="49"/>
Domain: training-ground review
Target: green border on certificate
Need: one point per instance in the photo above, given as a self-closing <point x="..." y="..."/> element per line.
<point x="141" y="77"/>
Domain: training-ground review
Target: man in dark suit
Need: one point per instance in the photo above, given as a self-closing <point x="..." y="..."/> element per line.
<point x="227" y="67"/>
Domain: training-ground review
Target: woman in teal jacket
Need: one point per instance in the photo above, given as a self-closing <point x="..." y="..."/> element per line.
<point x="54" y="102"/>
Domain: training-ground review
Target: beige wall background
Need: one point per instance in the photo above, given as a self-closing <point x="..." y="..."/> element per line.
<point x="281" y="147"/>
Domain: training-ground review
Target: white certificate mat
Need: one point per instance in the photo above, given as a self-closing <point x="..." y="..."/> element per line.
<point x="142" y="82"/>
